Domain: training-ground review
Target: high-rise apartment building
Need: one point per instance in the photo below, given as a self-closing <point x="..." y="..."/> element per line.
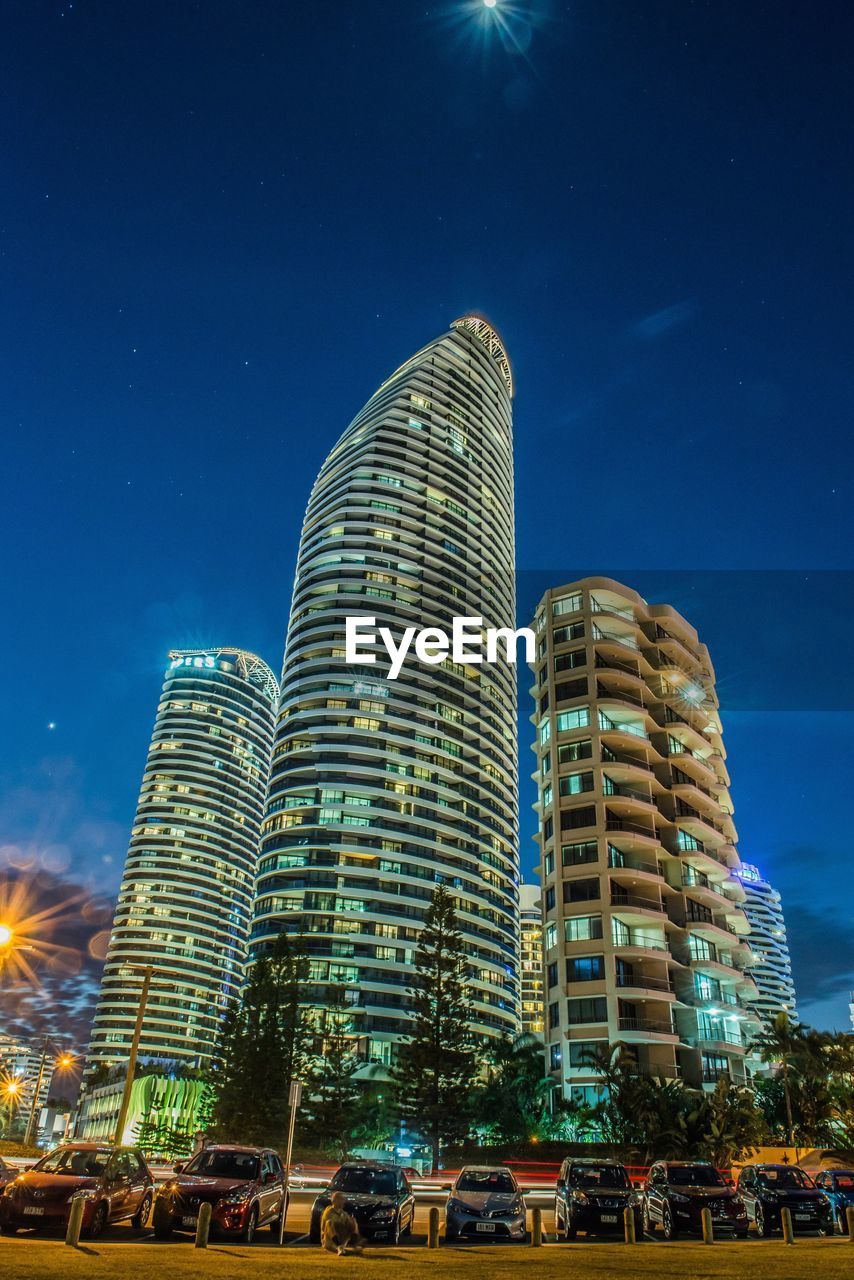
<point x="644" y="931"/>
<point x="531" y="923"/>
<point x="381" y="789"/>
<point x="771" y="969"/>
<point x="185" y="900"/>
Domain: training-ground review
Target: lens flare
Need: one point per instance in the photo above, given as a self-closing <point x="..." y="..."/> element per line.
<point x="26" y="929"/>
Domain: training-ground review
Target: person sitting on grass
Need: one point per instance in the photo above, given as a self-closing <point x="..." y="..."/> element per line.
<point x="339" y="1231"/>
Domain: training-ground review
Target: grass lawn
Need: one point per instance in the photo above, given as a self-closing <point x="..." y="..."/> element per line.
<point x="33" y="1259"/>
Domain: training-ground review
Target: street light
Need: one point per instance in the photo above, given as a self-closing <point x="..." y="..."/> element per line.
<point x="63" y="1061"/>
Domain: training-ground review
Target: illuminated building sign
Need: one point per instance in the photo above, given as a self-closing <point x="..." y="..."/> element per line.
<point x="206" y="660"/>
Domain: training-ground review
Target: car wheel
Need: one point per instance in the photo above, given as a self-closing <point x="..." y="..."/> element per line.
<point x="251" y="1225"/>
<point x="161" y="1223"/>
<point x="668" y="1225"/>
<point x="763" y="1226"/>
<point x="99" y="1222"/>
<point x="140" y="1218"/>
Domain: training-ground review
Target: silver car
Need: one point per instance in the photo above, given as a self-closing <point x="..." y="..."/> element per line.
<point x="485" y="1202"/>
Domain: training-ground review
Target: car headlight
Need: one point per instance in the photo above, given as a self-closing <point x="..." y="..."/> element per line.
<point x="678" y="1198"/>
<point x="455" y="1205"/>
<point x="738" y="1202"/>
<point x="85" y="1193"/>
<point x="771" y="1196"/>
<point x="387" y="1212"/>
<point x="239" y="1196"/>
<point x="580" y="1197"/>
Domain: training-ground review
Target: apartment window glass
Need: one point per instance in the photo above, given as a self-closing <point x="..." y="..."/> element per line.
<point x="567" y="604"/>
<point x="570" y="819"/>
<point x="578" y="718"/>
<point x="581" y="1052"/>
<point x="575" y="783"/>
<point x="550" y="898"/>
<point x="554" y="1057"/>
<point x="573" y="855"/>
<point x="586" y="890"/>
<point x="582" y="928"/>
<point x="545" y="730"/>
<point x="554" y="1015"/>
<point x="585" y="969"/>
<point x="551" y="973"/>
<point x="569" y="752"/>
<point x="548" y="863"/>
<point x="570" y="689"/>
<point x="591" y="1010"/>
<point x="567" y="661"/>
<point x="550" y="936"/>
<point x="574" y="631"/>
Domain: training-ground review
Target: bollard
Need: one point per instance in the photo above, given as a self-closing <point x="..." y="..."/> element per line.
<point x="536" y="1226"/>
<point x="786" y="1223"/>
<point x="203" y="1226"/>
<point x="849" y="1218"/>
<point x="708" y="1227"/>
<point x="433" y="1228"/>
<point x="75" y="1221"/>
<point x="629" y="1225"/>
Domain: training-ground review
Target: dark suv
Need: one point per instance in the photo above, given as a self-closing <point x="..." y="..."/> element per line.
<point x="676" y="1193"/>
<point x="378" y="1196"/>
<point x="245" y="1187"/>
<point x="592" y="1196"/>
<point x="767" y="1188"/>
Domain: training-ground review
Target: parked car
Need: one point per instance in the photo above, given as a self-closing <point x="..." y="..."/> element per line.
<point x="592" y="1196"/>
<point x="767" y="1188"/>
<point x="245" y="1187"/>
<point x="485" y="1201"/>
<point x="115" y="1184"/>
<point x="378" y="1196"/>
<point x="838" y="1186"/>
<point x="677" y="1191"/>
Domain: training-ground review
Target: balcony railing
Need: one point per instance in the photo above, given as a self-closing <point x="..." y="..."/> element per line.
<point x="635" y="900"/>
<point x="620" y="824"/>
<point x="646" y="1024"/>
<point x="641" y="982"/>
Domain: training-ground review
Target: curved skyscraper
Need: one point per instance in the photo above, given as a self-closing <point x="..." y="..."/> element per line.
<point x="771" y="969"/>
<point x="186" y="895"/>
<point x="383" y="788"/>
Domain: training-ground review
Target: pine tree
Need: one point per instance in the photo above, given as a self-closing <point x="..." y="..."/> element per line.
<point x="332" y="1110"/>
<point x="435" y="1065"/>
<point x="262" y="1048"/>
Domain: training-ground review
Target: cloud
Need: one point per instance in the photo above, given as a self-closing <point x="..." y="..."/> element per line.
<point x="660" y="322"/>
<point x="821" y="943"/>
<point x="60" y="1000"/>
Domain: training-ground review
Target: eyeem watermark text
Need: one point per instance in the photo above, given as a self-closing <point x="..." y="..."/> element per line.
<point x="469" y="643"/>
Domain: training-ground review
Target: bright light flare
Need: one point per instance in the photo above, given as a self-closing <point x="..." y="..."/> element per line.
<point x="7" y="933"/>
<point x="26" y="928"/>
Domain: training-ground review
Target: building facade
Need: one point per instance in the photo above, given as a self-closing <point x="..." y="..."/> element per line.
<point x="383" y="788"/>
<point x="531" y="922"/>
<point x="645" y="936"/>
<point x="771" y="969"/>
<point x="185" y="901"/>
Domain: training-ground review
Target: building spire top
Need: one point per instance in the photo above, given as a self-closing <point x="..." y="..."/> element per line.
<point x="491" y="339"/>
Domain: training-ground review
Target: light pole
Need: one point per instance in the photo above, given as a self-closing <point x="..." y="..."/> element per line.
<point x="147" y="975"/>
<point x="64" y="1060"/>
<point x="294" y="1098"/>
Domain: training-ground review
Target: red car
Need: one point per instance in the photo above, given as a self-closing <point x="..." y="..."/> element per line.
<point x="245" y="1187"/>
<point x="114" y="1183"/>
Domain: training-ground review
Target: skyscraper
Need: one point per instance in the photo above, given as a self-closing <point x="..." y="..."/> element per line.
<point x="531" y="921"/>
<point x="186" y="894"/>
<point x="644" y="932"/>
<point x="383" y="788"/>
<point x="771" y="969"/>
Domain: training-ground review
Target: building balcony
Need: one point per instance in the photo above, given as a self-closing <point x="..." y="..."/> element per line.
<point x="641" y="983"/>
<point x="647" y="1029"/>
<point x="635" y="903"/>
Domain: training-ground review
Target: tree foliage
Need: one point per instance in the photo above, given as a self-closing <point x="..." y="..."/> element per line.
<point x="261" y="1049"/>
<point x="436" y="1063"/>
<point x="333" y="1106"/>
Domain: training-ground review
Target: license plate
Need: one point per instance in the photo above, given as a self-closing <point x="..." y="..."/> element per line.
<point x="34" y="1210"/>
<point x="610" y="1217"/>
<point x="486" y="1226"/>
<point x="803" y="1217"/>
<point x="189" y="1222"/>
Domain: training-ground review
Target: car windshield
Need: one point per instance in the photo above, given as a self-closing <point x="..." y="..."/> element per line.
<point x="75" y="1162"/>
<point x="224" y="1164"/>
<point x="369" y="1182"/>
<point x="483" y="1181"/>
<point x="598" y="1175"/>
<point x="784" y="1179"/>
<point x="694" y="1175"/>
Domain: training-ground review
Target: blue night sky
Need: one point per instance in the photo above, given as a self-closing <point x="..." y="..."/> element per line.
<point x="223" y="224"/>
